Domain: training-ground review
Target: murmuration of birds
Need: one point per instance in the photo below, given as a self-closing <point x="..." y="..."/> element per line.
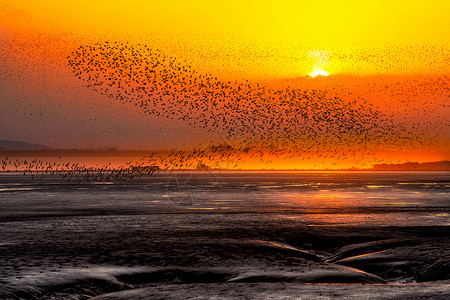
<point x="208" y="158"/>
<point x="254" y="120"/>
<point x="288" y="120"/>
<point x="38" y="169"/>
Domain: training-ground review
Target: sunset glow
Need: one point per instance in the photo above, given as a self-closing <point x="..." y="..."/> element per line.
<point x="157" y="75"/>
<point x="316" y="73"/>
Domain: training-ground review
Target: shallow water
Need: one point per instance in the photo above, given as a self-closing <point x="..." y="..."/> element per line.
<point x="313" y="198"/>
<point x="62" y="239"/>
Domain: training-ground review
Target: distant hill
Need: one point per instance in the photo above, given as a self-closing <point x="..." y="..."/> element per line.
<point x="414" y="166"/>
<point x="6" y="145"/>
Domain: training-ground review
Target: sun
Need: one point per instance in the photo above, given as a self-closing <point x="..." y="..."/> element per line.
<point x="318" y="72"/>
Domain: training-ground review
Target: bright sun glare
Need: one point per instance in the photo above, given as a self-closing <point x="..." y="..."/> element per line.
<point x="320" y="72"/>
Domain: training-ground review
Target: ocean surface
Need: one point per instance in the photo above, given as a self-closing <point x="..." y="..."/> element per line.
<point x="223" y="231"/>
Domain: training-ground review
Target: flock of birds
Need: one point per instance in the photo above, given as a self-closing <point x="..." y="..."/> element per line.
<point x="148" y="165"/>
<point x="214" y="157"/>
<point x="252" y="120"/>
<point x="75" y="172"/>
<point x="254" y="114"/>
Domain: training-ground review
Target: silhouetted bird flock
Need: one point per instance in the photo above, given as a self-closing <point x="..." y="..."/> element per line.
<point x="258" y="116"/>
<point x="252" y="119"/>
<point x="39" y="169"/>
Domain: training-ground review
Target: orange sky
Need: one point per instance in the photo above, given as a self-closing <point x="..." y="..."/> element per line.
<point x="392" y="55"/>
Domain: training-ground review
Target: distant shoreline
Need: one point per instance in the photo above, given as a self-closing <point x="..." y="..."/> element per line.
<point x="439" y="166"/>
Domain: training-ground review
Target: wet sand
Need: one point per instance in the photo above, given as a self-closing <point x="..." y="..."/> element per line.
<point x="130" y="241"/>
<point x="439" y="291"/>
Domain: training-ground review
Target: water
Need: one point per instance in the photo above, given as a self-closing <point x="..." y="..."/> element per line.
<point x="63" y="239"/>
<point x="312" y="198"/>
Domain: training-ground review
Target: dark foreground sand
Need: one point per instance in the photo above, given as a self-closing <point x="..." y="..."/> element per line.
<point x="374" y="263"/>
<point x="286" y="291"/>
<point x="129" y="241"/>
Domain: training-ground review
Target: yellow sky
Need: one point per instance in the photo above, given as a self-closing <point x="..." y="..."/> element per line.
<point x="277" y="37"/>
<point x="321" y="22"/>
